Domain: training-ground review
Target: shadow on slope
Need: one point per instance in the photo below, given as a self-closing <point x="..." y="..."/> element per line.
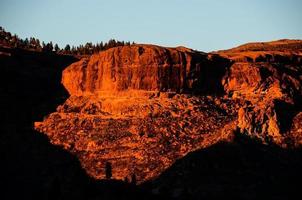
<point x="243" y="169"/>
<point x="31" y="167"/>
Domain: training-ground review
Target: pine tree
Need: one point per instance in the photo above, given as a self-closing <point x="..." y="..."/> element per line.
<point x="67" y="48"/>
<point x="26" y="43"/>
<point x="57" y="48"/>
<point x="101" y="46"/>
<point x="44" y="46"/>
<point x="50" y="47"/>
<point x="38" y="45"/>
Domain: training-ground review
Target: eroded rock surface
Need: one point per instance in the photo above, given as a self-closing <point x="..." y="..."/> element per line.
<point x="141" y="107"/>
<point x="268" y="77"/>
<point x="142" y="135"/>
<point x="145" y="67"/>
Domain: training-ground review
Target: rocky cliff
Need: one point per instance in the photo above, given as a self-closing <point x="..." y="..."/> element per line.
<point x="267" y="76"/>
<point x="141" y="107"/>
<point x="145" y="67"/>
<point x="31" y="167"/>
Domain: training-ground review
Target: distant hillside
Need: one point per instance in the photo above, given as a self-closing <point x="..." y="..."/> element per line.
<point x="278" y="45"/>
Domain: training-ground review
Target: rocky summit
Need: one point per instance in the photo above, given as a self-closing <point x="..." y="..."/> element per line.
<point x="142" y="107"/>
<point x="145" y="67"/>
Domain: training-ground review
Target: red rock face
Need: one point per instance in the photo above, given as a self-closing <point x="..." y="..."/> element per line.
<point x="141" y="107"/>
<point x="144" y="67"/>
<point x="267" y="76"/>
<point x="141" y="135"/>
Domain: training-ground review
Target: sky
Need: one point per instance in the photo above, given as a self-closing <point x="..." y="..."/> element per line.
<point x="205" y="25"/>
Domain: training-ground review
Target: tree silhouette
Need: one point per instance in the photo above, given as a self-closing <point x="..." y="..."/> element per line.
<point x="50" y="47"/>
<point x="13" y="41"/>
<point x="133" y="179"/>
<point x="44" y="48"/>
<point x="67" y="48"/>
<point x="38" y="45"/>
<point x="57" y="48"/>
<point x="108" y="170"/>
<point x="26" y="43"/>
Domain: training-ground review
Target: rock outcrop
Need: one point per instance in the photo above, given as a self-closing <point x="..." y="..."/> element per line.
<point x="140" y="135"/>
<point x="268" y="77"/>
<point x="284" y="45"/>
<point x="141" y="107"/>
<point x="145" y="67"/>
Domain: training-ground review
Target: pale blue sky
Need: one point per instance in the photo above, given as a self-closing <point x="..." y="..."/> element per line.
<point x="199" y="24"/>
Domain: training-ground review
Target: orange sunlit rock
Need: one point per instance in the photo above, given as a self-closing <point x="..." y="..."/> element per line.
<point x="143" y="67"/>
<point x="141" y="107"/>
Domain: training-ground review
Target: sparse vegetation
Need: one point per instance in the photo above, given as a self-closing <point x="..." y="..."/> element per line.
<point x="13" y="41"/>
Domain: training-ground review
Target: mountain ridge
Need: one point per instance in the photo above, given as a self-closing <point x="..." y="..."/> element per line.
<point x="275" y="45"/>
